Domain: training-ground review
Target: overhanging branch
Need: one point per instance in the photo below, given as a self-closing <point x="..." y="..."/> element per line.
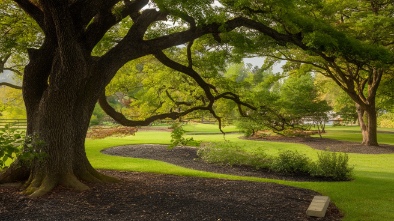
<point x="188" y="71"/>
<point x="121" y="119"/>
<point x="11" y="85"/>
<point x="103" y="19"/>
<point x="14" y="70"/>
<point x="33" y="10"/>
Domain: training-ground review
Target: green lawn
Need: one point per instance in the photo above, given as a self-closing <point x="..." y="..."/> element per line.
<point x="352" y="133"/>
<point x="208" y="128"/>
<point x="369" y="197"/>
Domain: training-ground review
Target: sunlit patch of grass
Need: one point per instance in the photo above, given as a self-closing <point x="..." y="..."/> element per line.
<point x="353" y="134"/>
<point x="196" y="128"/>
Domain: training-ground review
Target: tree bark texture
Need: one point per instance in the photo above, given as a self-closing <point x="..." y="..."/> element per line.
<point x="368" y="124"/>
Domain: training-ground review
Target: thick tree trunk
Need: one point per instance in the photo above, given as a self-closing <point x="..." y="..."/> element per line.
<point x="61" y="123"/>
<point x="372" y="127"/>
<point x="58" y="114"/>
<point x="368" y="125"/>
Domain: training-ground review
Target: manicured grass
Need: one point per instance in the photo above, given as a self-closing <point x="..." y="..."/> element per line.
<point x="352" y="133"/>
<point x="369" y="197"/>
<point x="208" y="128"/>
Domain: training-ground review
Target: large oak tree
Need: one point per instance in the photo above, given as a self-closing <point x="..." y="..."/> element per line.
<point x="64" y="79"/>
<point x="350" y="42"/>
<point x="66" y="76"/>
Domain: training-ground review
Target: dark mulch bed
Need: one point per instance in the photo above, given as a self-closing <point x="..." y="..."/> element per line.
<point x="143" y="196"/>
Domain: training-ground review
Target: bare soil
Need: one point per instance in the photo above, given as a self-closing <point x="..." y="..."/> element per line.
<point x="144" y="196"/>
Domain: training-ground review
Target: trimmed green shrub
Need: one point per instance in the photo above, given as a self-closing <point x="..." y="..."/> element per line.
<point x="177" y="137"/>
<point x="334" y="166"/>
<point x="291" y="162"/>
<point x="227" y="153"/>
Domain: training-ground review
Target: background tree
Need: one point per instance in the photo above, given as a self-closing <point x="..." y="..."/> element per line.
<point x="288" y="103"/>
<point x="342" y="105"/>
<point x="300" y="99"/>
<point x="349" y="42"/>
<point x="17" y="33"/>
<point x="11" y="103"/>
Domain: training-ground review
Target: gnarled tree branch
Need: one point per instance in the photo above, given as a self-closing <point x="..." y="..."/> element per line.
<point x="11" y="85"/>
<point x="121" y="119"/>
<point x="188" y="71"/>
<point x="103" y="19"/>
<point x="33" y="10"/>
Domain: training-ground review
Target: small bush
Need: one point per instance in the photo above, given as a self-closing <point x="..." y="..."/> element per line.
<point x="14" y="144"/>
<point x="291" y="162"/>
<point x="11" y="140"/>
<point x="248" y="126"/>
<point x="333" y="166"/>
<point x="177" y="137"/>
<point x="329" y="165"/>
<point x="227" y="153"/>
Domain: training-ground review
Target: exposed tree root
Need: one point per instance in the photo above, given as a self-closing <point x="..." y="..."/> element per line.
<point x="47" y="184"/>
<point x="39" y="182"/>
<point x="32" y="184"/>
<point x="102" y="177"/>
<point x="39" y="185"/>
<point x="71" y="181"/>
<point x="87" y="173"/>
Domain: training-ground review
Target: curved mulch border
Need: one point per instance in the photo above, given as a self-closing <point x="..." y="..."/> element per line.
<point x="187" y="157"/>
